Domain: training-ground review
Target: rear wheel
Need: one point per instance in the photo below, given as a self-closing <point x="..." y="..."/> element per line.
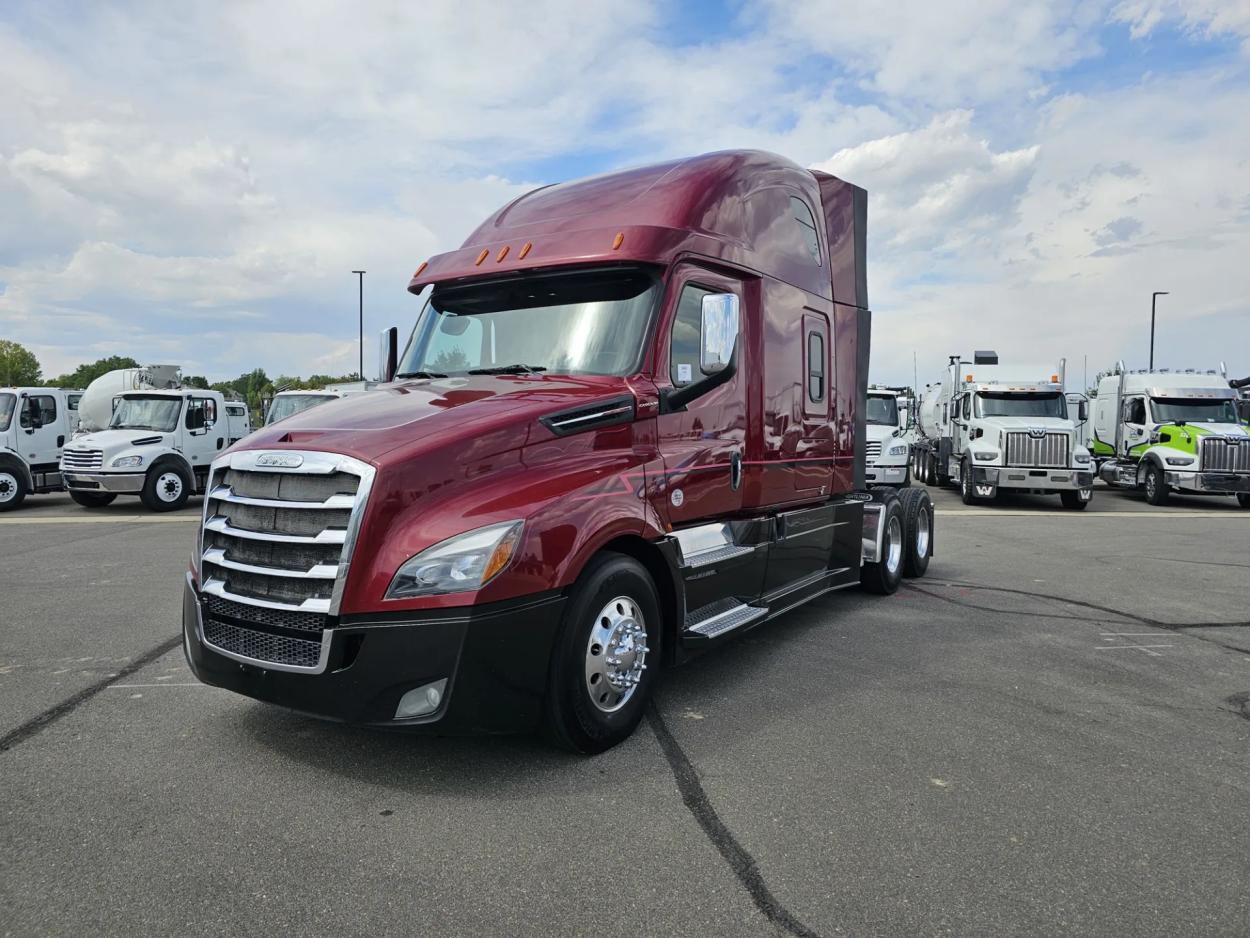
<point x="1156" y="485"/>
<point x="1076" y="500"/>
<point x="1243" y="499"/>
<point x="917" y="531"/>
<point x="92" y="499"/>
<point x="167" y="488"/>
<point x="12" y="489"/>
<point x="604" y="664"/>
<point x="883" y="577"/>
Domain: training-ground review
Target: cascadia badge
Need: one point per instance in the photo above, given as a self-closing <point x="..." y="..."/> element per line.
<point x="280" y="460"/>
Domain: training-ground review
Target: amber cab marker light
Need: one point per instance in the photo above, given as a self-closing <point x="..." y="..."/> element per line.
<point x="525" y="249"/>
<point x="618" y="240"/>
<point x="424" y="264"/>
<point x="481" y="257"/>
<point x="503" y="252"/>
<point x="968" y="378"/>
<point x="1054" y="379"/>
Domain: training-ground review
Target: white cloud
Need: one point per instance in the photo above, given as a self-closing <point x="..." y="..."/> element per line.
<point x="1208" y="18"/>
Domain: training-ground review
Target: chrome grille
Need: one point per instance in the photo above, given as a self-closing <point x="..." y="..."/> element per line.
<point x="1049" y="451"/>
<point x="1219" y="455"/>
<point x="275" y="547"/>
<point x="82" y="460"/>
<point x="873" y="449"/>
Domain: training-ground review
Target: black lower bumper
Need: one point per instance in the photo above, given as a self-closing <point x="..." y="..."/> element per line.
<point x="495" y="660"/>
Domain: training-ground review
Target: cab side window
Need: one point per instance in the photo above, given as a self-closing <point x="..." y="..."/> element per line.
<point x="38" y="411"/>
<point x="807" y="227"/>
<point x="200" y="413"/>
<point x="967" y="406"/>
<point x="683" y="353"/>
<point x="1135" y="411"/>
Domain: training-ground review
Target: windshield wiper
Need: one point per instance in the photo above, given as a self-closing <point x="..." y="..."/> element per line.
<point x="508" y="370"/>
<point x="420" y="374"/>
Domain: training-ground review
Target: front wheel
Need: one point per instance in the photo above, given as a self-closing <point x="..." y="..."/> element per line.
<point x="605" y="662"/>
<point x="92" y="499"/>
<point x="1076" y="500"/>
<point x="1243" y="499"/>
<point x="1156" y="486"/>
<point x="12" y="489"/>
<point x="167" y="487"/>
<point x="967" y="493"/>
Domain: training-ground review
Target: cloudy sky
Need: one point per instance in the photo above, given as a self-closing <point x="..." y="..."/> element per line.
<point x="193" y="183"/>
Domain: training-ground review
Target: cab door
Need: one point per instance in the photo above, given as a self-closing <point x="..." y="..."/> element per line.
<point x="40" y="433"/>
<point x="205" y="431"/>
<point x="1134" y="417"/>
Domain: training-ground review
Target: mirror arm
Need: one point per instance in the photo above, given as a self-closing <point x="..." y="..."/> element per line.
<point x="673" y="400"/>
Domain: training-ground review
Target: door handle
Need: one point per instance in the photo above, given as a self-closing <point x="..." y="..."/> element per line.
<point x="735" y="470"/>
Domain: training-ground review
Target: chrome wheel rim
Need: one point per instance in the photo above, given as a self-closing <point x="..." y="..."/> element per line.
<point x="922" y="533"/>
<point x="1151" y="485"/>
<point x="168" y="486"/>
<point x="8" y="487"/>
<point x="616" y="654"/>
<point x="894" y="547"/>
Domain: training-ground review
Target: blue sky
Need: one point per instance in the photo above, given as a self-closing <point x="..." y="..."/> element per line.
<point x="194" y="185"/>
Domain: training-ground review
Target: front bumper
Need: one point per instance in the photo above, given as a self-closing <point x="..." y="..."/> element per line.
<point x="495" y="658"/>
<point x="1214" y="483"/>
<point x="885" y="475"/>
<point x="119" y="483"/>
<point x="1035" y="480"/>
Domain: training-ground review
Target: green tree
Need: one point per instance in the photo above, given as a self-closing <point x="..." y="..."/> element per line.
<point x="83" y="375"/>
<point x="195" y="381"/>
<point x="18" y="365"/>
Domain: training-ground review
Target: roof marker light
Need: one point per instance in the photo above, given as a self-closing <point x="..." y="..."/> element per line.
<point x="481" y="257"/>
<point x="618" y="240"/>
<point x="525" y="249"/>
<point x="424" y="264"/>
<point x="503" y="252"/>
<point x="967" y="377"/>
<point x="1054" y="379"/>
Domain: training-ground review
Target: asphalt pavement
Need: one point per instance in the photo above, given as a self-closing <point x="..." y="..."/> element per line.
<point x="1049" y="734"/>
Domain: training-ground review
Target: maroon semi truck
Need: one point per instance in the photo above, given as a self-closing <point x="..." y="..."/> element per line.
<point x="627" y="426"/>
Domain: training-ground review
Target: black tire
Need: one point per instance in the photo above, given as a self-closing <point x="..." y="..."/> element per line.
<point x="918" y="531"/>
<point x="574" y="720"/>
<point x="1243" y="499"/>
<point x="1073" y="501"/>
<point x="884" y="576"/>
<point x="1156" y="485"/>
<point x="92" y="499"/>
<point x="967" y="493"/>
<point x="12" y="488"/>
<point x="159" y="491"/>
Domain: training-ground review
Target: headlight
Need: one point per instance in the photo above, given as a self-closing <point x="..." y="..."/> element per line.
<point x="124" y="462"/>
<point x="459" y="564"/>
<point x="898" y="450"/>
<point x="1179" y="460"/>
<point x="1081" y="458"/>
<point x="983" y="457"/>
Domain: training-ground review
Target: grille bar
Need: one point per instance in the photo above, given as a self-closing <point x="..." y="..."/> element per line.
<point x="1219" y="455"/>
<point x="226" y="494"/>
<point x="220" y="524"/>
<point x="322" y="571"/>
<point x="82" y="458"/>
<point x="1049" y="451"/>
<point x="218" y="588"/>
<point x="872" y="449"/>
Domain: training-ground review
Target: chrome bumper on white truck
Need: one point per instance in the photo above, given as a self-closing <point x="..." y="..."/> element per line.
<point x="1215" y="483"/>
<point x="1047" y="480"/>
<point x="118" y="483"/>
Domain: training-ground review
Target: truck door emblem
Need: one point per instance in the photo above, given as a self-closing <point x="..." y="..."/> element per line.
<point x="280" y="460"/>
<point x="677" y="498"/>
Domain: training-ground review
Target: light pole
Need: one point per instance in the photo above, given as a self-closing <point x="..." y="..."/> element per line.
<point x="360" y="275"/>
<point x="1153" y="298"/>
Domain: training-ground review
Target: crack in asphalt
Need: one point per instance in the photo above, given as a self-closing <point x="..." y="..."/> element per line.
<point x="740" y="861"/>
<point x="40" y="722"/>
<point x="1177" y="627"/>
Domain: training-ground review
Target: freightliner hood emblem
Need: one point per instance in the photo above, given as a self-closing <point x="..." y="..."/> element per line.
<point x="280" y="460"/>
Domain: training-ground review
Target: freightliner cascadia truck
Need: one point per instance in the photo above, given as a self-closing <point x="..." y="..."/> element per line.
<point x="989" y="427"/>
<point x="1164" y="431"/>
<point x="628" y="426"/>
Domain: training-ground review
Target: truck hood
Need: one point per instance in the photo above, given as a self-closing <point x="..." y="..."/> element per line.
<point x="1053" y="424"/>
<point x="495" y="412"/>
<point x="879" y="432"/>
<point x="115" y="441"/>
<point x="1207" y="429"/>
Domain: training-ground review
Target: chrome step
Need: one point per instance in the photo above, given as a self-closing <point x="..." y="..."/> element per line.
<point x="717" y="555"/>
<point x="722" y="616"/>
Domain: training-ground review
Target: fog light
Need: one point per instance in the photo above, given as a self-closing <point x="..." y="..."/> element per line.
<point x="421" y="700"/>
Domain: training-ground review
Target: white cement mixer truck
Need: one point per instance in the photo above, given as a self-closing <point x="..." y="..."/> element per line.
<point x="989" y="427"/>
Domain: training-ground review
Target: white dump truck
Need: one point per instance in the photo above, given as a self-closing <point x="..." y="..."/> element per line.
<point x="1171" y="431"/>
<point x="158" y="445"/>
<point x="35" y="424"/>
<point x="989" y="427"/>
<point x="888" y="455"/>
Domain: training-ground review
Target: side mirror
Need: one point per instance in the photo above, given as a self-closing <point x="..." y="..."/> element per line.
<point x="718" y="335"/>
<point x="388" y="354"/>
<point x="1082" y="411"/>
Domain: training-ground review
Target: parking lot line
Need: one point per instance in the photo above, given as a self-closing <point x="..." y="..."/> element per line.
<point x="94" y="519"/>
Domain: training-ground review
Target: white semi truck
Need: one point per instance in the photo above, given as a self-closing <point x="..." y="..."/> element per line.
<point x="158" y="445"/>
<point x="989" y="427"/>
<point x="887" y="452"/>
<point x="289" y="403"/>
<point x="35" y="424"/>
<point x="1164" y="431"/>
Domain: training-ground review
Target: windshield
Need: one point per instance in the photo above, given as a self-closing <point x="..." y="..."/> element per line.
<point x="146" y="413"/>
<point x="592" y="322"/>
<point x="283" y="407"/>
<point x="1170" y="409"/>
<point x="1043" y="404"/>
<point x="7" y="403"/>
<point x="883" y="411"/>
